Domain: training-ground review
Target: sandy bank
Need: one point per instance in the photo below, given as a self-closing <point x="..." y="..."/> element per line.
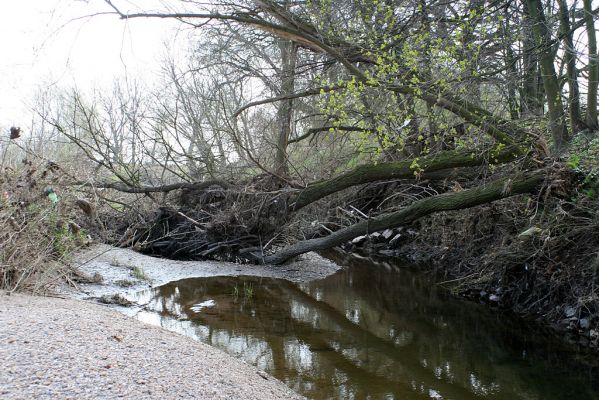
<point x="68" y="349"/>
<point x="119" y="270"/>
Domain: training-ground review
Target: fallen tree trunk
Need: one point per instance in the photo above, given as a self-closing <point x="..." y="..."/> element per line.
<point x="157" y="189"/>
<point x="362" y="174"/>
<point x="399" y="170"/>
<point x="490" y="192"/>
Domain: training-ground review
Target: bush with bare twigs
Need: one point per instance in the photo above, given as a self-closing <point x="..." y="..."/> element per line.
<point x="37" y="234"/>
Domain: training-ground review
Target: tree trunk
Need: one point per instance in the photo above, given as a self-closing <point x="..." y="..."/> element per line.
<point x="557" y="120"/>
<point x="449" y="201"/>
<point x="576" y="122"/>
<point x="512" y="70"/>
<point x="591" y="117"/>
<point x="288" y="61"/>
<point x="398" y="170"/>
<point x="529" y="99"/>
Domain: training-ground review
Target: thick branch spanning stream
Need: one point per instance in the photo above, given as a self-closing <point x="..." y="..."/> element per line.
<point x="399" y="170"/>
<point x="359" y="175"/>
<point x="449" y="201"/>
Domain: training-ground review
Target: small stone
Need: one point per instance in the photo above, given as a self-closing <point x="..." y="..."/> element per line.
<point x="359" y="239"/>
<point x="494" y="298"/>
<point x="395" y="238"/>
<point x="387" y="233"/>
<point x="584" y="323"/>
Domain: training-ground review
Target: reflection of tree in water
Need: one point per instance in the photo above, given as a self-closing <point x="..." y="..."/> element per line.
<point x="460" y="342"/>
<point x="364" y="331"/>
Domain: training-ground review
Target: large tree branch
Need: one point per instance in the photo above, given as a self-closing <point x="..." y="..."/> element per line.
<point x="399" y="170"/>
<point x="297" y="95"/>
<point x="157" y="189"/>
<point x="325" y="128"/>
<point x="301" y="37"/>
<point x="445" y="202"/>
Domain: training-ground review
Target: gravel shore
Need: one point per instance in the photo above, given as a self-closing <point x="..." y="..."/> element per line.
<point x="53" y="348"/>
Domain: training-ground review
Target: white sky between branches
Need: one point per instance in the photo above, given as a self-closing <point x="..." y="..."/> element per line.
<point x="46" y="42"/>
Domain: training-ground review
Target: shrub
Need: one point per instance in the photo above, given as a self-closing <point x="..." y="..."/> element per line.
<point x="36" y="235"/>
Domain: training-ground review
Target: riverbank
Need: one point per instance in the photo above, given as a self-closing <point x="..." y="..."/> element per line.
<point x="60" y="348"/>
<point x="105" y="271"/>
<point x="537" y="259"/>
<point x="68" y="348"/>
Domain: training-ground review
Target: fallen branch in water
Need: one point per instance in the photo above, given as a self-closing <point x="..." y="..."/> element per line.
<point x="444" y="202"/>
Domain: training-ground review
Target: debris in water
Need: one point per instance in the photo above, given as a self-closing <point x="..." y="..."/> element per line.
<point x="115" y="299"/>
<point x="200" y="306"/>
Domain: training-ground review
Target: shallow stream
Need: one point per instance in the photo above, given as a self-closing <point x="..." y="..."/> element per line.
<point x="371" y="331"/>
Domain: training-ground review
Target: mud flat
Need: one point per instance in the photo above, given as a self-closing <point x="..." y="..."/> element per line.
<point x="113" y="271"/>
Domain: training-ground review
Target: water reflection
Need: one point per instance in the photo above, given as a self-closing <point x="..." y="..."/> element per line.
<point x="369" y="332"/>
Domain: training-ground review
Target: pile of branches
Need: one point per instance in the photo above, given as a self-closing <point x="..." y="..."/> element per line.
<point x="213" y="222"/>
<point x="234" y="222"/>
<point x="38" y="229"/>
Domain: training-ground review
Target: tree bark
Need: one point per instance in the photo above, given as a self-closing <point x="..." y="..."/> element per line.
<point x="529" y="96"/>
<point x="576" y="122"/>
<point x="288" y="60"/>
<point x="398" y="170"/>
<point x="591" y="117"/>
<point x="557" y="120"/>
<point x="449" y="201"/>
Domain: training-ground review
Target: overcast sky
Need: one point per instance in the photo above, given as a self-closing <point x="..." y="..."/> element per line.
<point x="46" y="42"/>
